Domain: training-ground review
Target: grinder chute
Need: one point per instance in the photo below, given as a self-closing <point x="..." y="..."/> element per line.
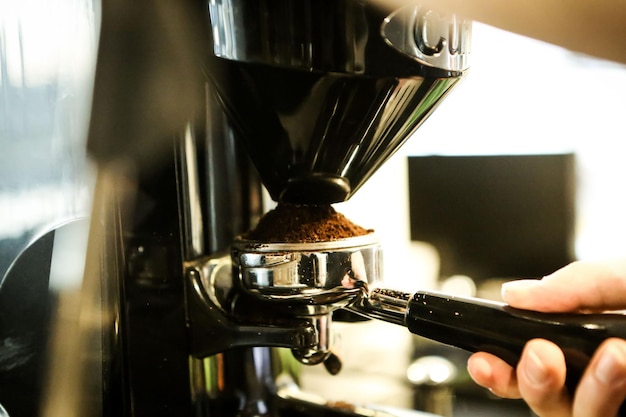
<point x="324" y="92"/>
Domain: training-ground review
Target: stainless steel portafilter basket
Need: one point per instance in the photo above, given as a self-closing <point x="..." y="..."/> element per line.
<point x="308" y="280"/>
<point x="310" y="277"/>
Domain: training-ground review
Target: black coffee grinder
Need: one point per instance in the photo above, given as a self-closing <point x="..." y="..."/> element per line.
<point x="199" y="105"/>
<point x="196" y="106"/>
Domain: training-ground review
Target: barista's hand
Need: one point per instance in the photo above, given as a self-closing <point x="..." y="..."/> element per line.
<point x="540" y="375"/>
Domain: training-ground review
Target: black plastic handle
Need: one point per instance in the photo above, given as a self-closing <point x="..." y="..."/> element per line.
<point x="480" y="325"/>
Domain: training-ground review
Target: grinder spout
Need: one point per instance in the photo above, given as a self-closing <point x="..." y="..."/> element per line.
<point x="324" y="92"/>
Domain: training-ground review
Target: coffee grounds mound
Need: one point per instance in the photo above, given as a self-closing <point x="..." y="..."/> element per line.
<point x="291" y="223"/>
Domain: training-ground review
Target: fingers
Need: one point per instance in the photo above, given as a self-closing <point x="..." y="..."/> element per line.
<point x="541" y="379"/>
<point x="493" y="373"/>
<point x="579" y="286"/>
<point x="540" y="374"/>
<point x="602" y="389"/>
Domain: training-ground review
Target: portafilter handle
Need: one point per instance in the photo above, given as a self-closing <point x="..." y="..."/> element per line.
<point x="476" y="325"/>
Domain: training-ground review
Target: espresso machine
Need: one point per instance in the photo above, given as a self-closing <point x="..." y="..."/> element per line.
<point x="198" y="109"/>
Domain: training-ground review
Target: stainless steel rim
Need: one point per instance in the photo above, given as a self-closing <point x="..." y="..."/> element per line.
<point x="244" y="245"/>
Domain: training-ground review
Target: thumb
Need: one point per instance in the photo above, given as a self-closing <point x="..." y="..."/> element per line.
<point x="581" y="286"/>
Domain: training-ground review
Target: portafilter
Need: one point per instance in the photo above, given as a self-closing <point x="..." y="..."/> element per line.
<point x="314" y="279"/>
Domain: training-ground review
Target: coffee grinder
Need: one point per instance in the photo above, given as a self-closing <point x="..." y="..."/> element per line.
<point x="197" y="107"/>
<point x="307" y="99"/>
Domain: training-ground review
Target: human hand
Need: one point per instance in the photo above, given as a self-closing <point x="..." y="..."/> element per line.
<point x="540" y="374"/>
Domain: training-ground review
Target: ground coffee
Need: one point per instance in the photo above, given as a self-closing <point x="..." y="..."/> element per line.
<point x="290" y="223"/>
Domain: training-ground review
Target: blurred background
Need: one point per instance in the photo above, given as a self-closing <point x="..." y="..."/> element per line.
<point x="47" y="64"/>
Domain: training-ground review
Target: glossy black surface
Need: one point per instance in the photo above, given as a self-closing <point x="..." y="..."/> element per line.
<point x="480" y="325"/>
<point x="317" y="137"/>
<point x="150" y="375"/>
<point x="319" y="97"/>
<point x="24" y="327"/>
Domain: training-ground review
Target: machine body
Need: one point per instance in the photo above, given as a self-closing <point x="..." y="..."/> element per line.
<point x="306" y="98"/>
